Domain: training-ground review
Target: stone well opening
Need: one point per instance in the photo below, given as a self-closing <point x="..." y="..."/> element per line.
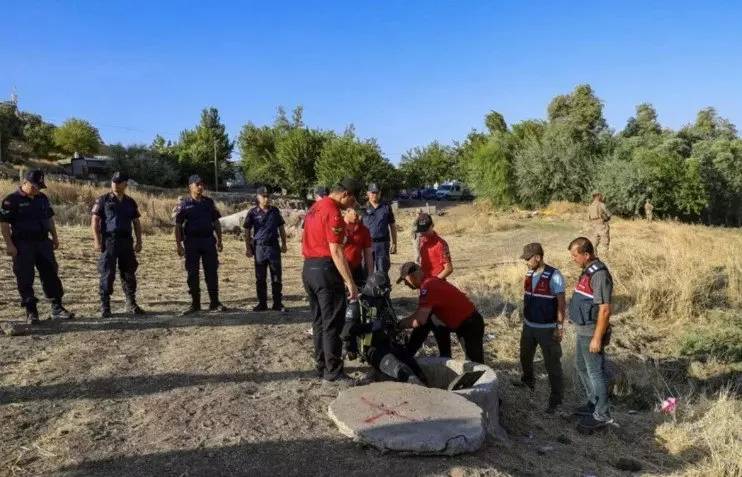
<point x="441" y="372"/>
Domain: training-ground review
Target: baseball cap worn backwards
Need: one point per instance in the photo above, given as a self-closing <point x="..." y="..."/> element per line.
<point x="532" y="249"/>
<point x="119" y="177"/>
<point x="36" y="177"/>
<point x="372" y="187"/>
<point x="424" y="222"/>
<point x="262" y="191"/>
<point x="406" y="269"/>
<point x="195" y="179"/>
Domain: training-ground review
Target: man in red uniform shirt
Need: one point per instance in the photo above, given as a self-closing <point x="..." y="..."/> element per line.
<point x="325" y="272"/>
<point x="435" y="261"/>
<point x="358" y="247"/>
<point x="435" y="258"/>
<point x="439" y="300"/>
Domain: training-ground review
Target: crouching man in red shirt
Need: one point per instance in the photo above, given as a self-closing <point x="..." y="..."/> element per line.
<point x="449" y="305"/>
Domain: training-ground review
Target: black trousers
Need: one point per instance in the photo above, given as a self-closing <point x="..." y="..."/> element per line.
<point x="268" y="257"/>
<point x="470" y="334"/>
<point x="36" y="255"/>
<point x="530" y="339"/>
<point x="197" y="250"/>
<point x="420" y="334"/>
<point x="118" y="250"/>
<point x="324" y="287"/>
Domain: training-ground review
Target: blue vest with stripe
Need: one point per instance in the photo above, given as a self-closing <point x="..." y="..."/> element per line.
<point x="539" y="303"/>
<point x="582" y="309"/>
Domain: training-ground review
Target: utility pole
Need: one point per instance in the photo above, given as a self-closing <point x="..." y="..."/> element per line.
<point x="216" y="171"/>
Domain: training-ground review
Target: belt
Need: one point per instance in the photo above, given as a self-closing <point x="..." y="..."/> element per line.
<point x="199" y="234"/>
<point x="120" y="234"/>
<point x="31" y="236"/>
<point x="384" y="239"/>
<point x="539" y="325"/>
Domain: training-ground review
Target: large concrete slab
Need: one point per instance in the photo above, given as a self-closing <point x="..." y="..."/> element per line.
<point x="403" y="417"/>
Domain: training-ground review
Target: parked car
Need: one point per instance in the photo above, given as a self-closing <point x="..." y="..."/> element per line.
<point x="428" y="194"/>
<point x="450" y="191"/>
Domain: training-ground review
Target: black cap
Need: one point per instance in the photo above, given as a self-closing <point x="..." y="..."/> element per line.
<point x="36" y="177"/>
<point x="262" y="191"/>
<point x="406" y="269"/>
<point x="352" y="186"/>
<point x="195" y="179"/>
<point x="321" y="191"/>
<point x="532" y="249"/>
<point x="372" y="187"/>
<point x="423" y="223"/>
<point x="119" y="177"/>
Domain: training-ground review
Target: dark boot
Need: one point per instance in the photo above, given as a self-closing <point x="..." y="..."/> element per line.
<point x="132" y="307"/>
<point x="214" y="304"/>
<point x="32" y="314"/>
<point x="105" y="307"/>
<point x="59" y="312"/>
<point x="195" y="306"/>
<point x="260" y="307"/>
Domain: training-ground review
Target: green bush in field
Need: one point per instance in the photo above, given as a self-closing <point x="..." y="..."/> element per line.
<point x="722" y="341"/>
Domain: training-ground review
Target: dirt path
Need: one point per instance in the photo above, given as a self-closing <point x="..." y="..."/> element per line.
<point x="234" y="394"/>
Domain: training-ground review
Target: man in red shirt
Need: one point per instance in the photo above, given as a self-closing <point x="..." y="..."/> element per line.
<point x="441" y="301"/>
<point x="325" y="272"/>
<point x="435" y="259"/>
<point x="358" y="247"/>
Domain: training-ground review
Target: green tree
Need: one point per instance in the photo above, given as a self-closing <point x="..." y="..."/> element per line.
<point x="581" y="112"/>
<point x="644" y="123"/>
<point x="720" y="167"/>
<point x="296" y="154"/>
<point x="426" y="165"/>
<point x="708" y="125"/>
<point x="556" y="167"/>
<point x="495" y="122"/>
<point x="348" y="156"/>
<point x="530" y="129"/>
<point x="257" y="147"/>
<point x="77" y="135"/>
<point x="490" y="170"/>
<point x="11" y="127"/>
<point x="197" y="147"/>
<point x="39" y="135"/>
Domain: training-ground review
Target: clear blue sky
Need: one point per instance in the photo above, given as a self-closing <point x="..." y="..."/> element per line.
<point x="404" y="72"/>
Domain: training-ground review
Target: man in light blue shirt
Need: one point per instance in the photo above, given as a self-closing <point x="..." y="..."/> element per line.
<point x="543" y="321"/>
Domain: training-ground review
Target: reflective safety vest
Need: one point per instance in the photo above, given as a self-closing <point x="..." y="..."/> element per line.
<point x="582" y="309"/>
<point x="539" y="303"/>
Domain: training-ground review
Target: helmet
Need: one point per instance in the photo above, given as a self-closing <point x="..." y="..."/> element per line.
<point x="377" y="285"/>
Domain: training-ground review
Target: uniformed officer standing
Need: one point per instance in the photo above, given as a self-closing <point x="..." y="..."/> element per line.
<point x="26" y="222"/>
<point x="115" y="214"/>
<point x="263" y="228"/>
<point x="325" y="271"/>
<point x="357" y="247"/>
<point x="590" y="312"/>
<point x="435" y="261"/>
<point x="379" y="219"/>
<point x="198" y="236"/>
<point x="599" y="216"/>
<point x="648" y="210"/>
<point x="543" y="322"/>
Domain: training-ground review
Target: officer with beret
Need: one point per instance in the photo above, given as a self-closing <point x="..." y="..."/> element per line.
<point x="27" y="222"/>
<point x="198" y="237"/>
<point x="378" y="217"/>
<point x="114" y="215"/>
<point x="264" y="226"/>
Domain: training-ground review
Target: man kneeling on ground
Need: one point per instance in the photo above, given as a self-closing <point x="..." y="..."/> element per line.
<point x="449" y="305"/>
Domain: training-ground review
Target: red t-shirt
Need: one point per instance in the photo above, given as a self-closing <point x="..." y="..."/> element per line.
<point x="357" y="238"/>
<point x="434" y="254"/>
<point x="449" y="304"/>
<point x="323" y="225"/>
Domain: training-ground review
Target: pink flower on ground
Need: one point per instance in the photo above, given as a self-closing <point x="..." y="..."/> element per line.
<point x="669" y="405"/>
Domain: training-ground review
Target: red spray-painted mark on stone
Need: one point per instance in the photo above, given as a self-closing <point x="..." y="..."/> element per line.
<point x="385" y="411"/>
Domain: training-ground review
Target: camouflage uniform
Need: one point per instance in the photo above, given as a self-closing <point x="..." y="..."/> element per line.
<point x="599" y="217"/>
<point x="648" y="210"/>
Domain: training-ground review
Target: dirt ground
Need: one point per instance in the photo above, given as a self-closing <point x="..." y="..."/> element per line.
<point x="234" y="394"/>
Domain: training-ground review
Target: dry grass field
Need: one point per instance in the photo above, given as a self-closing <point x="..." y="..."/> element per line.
<point x="233" y="394"/>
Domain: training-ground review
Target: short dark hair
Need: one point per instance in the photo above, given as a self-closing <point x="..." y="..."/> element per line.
<point x="583" y="244"/>
<point x="349" y="185"/>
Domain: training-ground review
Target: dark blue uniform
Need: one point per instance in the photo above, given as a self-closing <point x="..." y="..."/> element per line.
<point x="378" y="220"/>
<point x="196" y="219"/>
<point x="29" y="224"/>
<point x="265" y="225"/>
<point x="117" y="217"/>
